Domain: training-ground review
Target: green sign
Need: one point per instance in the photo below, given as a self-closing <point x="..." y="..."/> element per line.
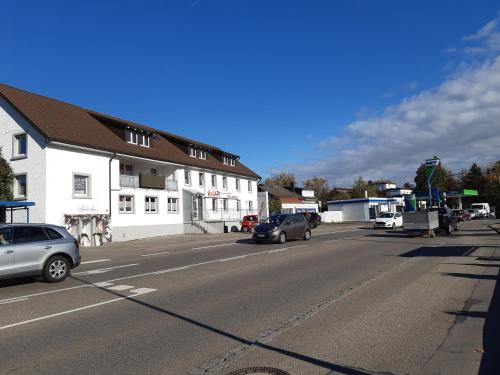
<point x="462" y="193"/>
<point x="430" y="166"/>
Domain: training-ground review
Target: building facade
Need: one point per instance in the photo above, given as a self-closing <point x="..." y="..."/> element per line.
<point x="108" y="178"/>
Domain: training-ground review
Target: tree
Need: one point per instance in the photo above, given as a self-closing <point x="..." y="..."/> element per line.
<point x="282" y="179"/>
<point x="320" y="187"/>
<point x="442" y="179"/>
<point x="6" y="179"/>
<point x="408" y="185"/>
<point x="274" y="205"/>
<point x="474" y="178"/>
<point x="360" y="186"/>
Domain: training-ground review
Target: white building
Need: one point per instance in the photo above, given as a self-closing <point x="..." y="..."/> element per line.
<point x="94" y="172"/>
<point x="362" y="209"/>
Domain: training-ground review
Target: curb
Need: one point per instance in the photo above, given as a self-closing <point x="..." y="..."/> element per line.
<point x="494" y="228"/>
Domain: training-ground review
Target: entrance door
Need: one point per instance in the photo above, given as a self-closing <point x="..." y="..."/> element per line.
<point x="197" y="208"/>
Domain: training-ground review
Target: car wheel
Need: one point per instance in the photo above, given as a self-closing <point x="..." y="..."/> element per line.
<point x="307" y="235"/>
<point x="56" y="269"/>
<point x="245" y="229"/>
<point x="282" y="237"/>
<point x="456" y="228"/>
<point x="448" y="229"/>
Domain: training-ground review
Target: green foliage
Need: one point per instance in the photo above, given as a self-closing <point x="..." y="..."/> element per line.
<point x="360" y="186"/>
<point x="442" y="179"/>
<point x="274" y="205"/>
<point x="6" y="179"/>
<point x="320" y="187"/>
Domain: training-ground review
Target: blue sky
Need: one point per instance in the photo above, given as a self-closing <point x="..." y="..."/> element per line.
<point x="280" y="83"/>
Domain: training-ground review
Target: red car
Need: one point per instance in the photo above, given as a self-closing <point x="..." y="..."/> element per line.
<point x="249" y="222"/>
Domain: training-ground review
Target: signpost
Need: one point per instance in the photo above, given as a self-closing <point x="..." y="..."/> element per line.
<point x="430" y="168"/>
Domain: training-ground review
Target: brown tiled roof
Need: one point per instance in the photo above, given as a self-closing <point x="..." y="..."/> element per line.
<point x="67" y="123"/>
<point x="278" y="191"/>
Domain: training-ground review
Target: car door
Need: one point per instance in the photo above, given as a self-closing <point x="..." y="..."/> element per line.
<point x="31" y="246"/>
<point x="297" y="225"/>
<point x="6" y="252"/>
<point x="399" y="219"/>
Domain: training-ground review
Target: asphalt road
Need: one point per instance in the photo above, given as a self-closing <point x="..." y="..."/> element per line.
<point x="351" y="300"/>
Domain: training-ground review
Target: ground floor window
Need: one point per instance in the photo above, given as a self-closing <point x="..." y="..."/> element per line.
<point x="238" y="205"/>
<point x="214" y="204"/>
<point x="81" y="185"/>
<point x="224" y="204"/>
<point x="173" y="205"/>
<point x="151" y="204"/>
<point x="250" y="205"/>
<point x="126" y="204"/>
<point x="20" y="186"/>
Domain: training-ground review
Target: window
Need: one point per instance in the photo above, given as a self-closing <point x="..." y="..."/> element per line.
<point x="126" y="204"/>
<point x="53" y="234"/>
<point x="250" y="205"/>
<point x="20" y="145"/>
<point x="192" y="152"/>
<point x="144" y="140"/>
<point x="5" y="236"/>
<point x="202" y="179"/>
<point x="224" y="183"/>
<point x="237" y="184"/>
<point x="126" y="169"/>
<point x="225" y="160"/>
<point x="20" y="186"/>
<point x="187" y="177"/>
<point x="214" y="181"/>
<point x="28" y="234"/>
<point x="224" y="204"/>
<point x="131" y="136"/>
<point x="249" y="186"/>
<point x="232" y="162"/>
<point x="151" y="205"/>
<point x="202" y="154"/>
<point x="172" y="205"/>
<point x="238" y="206"/>
<point x="153" y="171"/>
<point x="81" y="185"/>
<point x="214" y="204"/>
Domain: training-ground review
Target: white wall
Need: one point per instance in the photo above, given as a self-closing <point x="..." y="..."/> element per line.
<point x="332" y="216"/>
<point x="61" y="164"/>
<point x="352" y="211"/>
<point x="34" y="165"/>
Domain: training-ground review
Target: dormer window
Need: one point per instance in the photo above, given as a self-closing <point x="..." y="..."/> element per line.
<point x="131" y="137"/>
<point x="144" y="140"/>
<point x="197" y="153"/>
<point x="136" y="138"/>
<point x="229" y="161"/>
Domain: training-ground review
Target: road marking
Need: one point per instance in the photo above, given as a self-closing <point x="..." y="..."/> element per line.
<point x="335" y="240"/>
<point x="137" y="292"/>
<point x="120" y="287"/>
<point x="95" y="261"/>
<point x="159" y="272"/>
<point x="13" y="301"/>
<point x="141" y="291"/>
<point x="104" y="270"/>
<point x="150" y="255"/>
<point x="207" y="247"/>
<point x="339" y="231"/>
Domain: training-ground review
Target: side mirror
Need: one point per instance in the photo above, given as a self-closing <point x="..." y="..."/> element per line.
<point x="288" y="222"/>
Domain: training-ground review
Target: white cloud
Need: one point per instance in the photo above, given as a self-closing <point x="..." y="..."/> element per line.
<point x="458" y="121"/>
<point x="484" y="32"/>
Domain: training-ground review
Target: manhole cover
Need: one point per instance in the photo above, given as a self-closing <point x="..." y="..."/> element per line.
<point x="259" y="371"/>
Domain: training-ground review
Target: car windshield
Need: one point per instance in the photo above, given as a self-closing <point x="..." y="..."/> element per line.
<point x="275" y="219"/>
<point x="386" y="215"/>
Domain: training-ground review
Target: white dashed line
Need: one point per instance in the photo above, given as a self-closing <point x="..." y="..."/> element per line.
<point x="150" y="255"/>
<point x="120" y="287"/>
<point x="13" y="301"/>
<point x="95" y="261"/>
<point x="104" y="270"/>
<point x="207" y="247"/>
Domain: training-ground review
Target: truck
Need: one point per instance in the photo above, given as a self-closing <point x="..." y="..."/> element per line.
<point x="482" y="208"/>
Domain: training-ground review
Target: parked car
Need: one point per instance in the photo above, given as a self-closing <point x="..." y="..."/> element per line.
<point x="313" y="218"/>
<point x="473" y="213"/>
<point x="483" y="209"/>
<point x="462" y="215"/>
<point x="249" y="222"/>
<point x="283" y="227"/>
<point x="37" y="249"/>
<point x="447" y="221"/>
<point x="388" y="220"/>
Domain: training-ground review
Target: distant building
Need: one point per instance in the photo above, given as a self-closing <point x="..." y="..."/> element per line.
<point x="363" y="209"/>
<point x="291" y="201"/>
<point x="398" y="192"/>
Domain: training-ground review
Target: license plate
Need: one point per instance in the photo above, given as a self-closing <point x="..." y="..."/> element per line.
<point x="261" y="235"/>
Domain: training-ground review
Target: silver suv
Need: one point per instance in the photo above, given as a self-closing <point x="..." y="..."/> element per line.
<point x="37" y="249"/>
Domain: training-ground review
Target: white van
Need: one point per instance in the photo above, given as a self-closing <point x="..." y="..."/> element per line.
<point x="482" y="208"/>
